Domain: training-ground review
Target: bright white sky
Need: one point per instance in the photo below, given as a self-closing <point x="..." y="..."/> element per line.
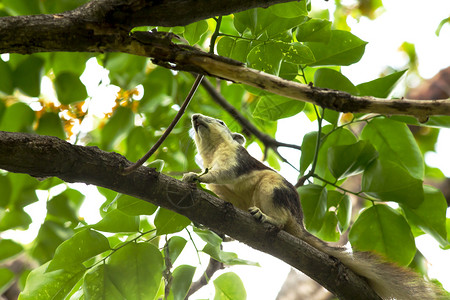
<point x="413" y="21"/>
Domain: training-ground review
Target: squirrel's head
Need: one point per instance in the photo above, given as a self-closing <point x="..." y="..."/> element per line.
<point x="210" y="132"/>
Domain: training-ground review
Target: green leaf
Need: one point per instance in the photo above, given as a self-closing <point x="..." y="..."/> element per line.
<point x="136" y="270"/>
<point x="194" y="31"/>
<point x="98" y="284"/>
<point x="348" y="160"/>
<point x="388" y="181"/>
<point x="182" y="279"/>
<point x="126" y="71"/>
<point x="139" y="140"/>
<point x="6" y="74"/>
<point x="69" y="88"/>
<point x="51" y="124"/>
<point x="175" y="245"/>
<point x="14" y="219"/>
<point x="233" y="48"/>
<point x="117" y="221"/>
<point x="266" y="57"/>
<point x="117" y="127"/>
<point x="6" y="279"/>
<point x="329" y="232"/>
<point x="135" y="207"/>
<point x="228" y="258"/>
<point x="27" y="75"/>
<point x="262" y="21"/>
<point x="273" y="107"/>
<point x="22" y="7"/>
<point x="18" y="117"/>
<point x="50" y="235"/>
<point x="167" y="221"/>
<point x="5" y="187"/>
<point x="44" y="285"/>
<point x="380" y="87"/>
<point x="343" y="205"/>
<point x="65" y="205"/>
<point x="288" y="71"/>
<point x="290" y="9"/>
<point x="9" y="248"/>
<point x="331" y="79"/>
<point x="383" y="230"/>
<point x="340" y="136"/>
<point x="314" y="30"/>
<point x="342" y="49"/>
<point x="208" y="236"/>
<point x="71" y="62"/>
<point x="314" y="203"/>
<point x="429" y="216"/>
<point x="229" y="287"/>
<point x="394" y="141"/>
<point x="79" y="248"/>
<point x="308" y="148"/>
<point x="297" y="53"/>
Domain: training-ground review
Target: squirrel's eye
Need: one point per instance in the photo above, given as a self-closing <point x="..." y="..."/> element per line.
<point x="222" y="123"/>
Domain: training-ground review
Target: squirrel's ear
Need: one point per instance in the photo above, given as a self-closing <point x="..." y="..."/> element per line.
<point x="239" y="138"/>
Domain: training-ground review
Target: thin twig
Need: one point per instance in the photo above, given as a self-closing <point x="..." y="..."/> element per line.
<point x="166" y="133"/>
<point x="212" y="268"/>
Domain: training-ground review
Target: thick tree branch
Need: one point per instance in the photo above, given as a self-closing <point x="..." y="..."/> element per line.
<point x="43" y="156"/>
<point x="104" y="26"/>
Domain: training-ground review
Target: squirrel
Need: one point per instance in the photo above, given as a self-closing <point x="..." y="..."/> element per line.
<point x="237" y="177"/>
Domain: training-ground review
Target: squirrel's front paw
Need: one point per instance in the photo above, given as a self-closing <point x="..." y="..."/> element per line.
<point x="190" y="177"/>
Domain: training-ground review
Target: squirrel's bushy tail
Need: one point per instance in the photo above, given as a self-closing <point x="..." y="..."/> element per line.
<point x="388" y="280"/>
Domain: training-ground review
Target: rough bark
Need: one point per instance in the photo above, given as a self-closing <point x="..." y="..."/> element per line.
<point x="104" y="26"/>
<point x="43" y="156"/>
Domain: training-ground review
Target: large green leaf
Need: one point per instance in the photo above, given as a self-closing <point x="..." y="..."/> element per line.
<point x="228" y="258"/>
<point x="290" y="9"/>
<point x="329" y="231"/>
<point x="229" y="287"/>
<point x="6" y="279"/>
<point x="394" y="141"/>
<point x="53" y="285"/>
<point x="69" y="88"/>
<point x="380" y="87"/>
<point x="117" y="127"/>
<point x="182" y="279"/>
<point x="341" y="136"/>
<point x="50" y="236"/>
<point x="117" y="221"/>
<point x="388" y="181"/>
<point x="273" y="107"/>
<point x="98" y="284"/>
<point x="343" y="205"/>
<point x="22" y="7"/>
<point x="314" y="30"/>
<point x="167" y="221"/>
<point x="65" y="206"/>
<point x="297" y="53"/>
<point x="134" y="207"/>
<point x="9" y="248"/>
<point x="6" y="188"/>
<point x="308" y="149"/>
<point x="27" y="75"/>
<point x="430" y="215"/>
<point x="263" y="21"/>
<point x="314" y="204"/>
<point x="331" y="79"/>
<point x="234" y="48"/>
<point x="266" y="57"/>
<point x="79" y="248"/>
<point x="348" y="160"/>
<point x="51" y="124"/>
<point x="342" y="49"/>
<point x="17" y="117"/>
<point x="194" y="31"/>
<point x="174" y="246"/>
<point x="383" y="230"/>
<point x="136" y="270"/>
<point x="14" y="219"/>
<point x="6" y="74"/>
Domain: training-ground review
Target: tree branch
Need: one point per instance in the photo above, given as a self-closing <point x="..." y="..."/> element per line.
<point x="104" y="26"/>
<point x="43" y="156"/>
